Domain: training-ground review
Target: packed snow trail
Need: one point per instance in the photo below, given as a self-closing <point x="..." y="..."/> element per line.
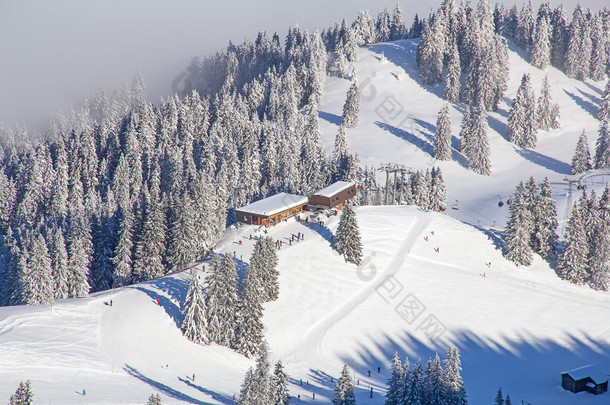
<point x="315" y="334"/>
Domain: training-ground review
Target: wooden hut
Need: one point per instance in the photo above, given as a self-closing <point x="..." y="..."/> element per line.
<point x="587" y="378"/>
<point x="334" y="195"/>
<point x="271" y="210"/>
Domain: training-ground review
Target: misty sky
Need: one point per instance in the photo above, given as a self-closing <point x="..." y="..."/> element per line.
<point x="52" y="53"/>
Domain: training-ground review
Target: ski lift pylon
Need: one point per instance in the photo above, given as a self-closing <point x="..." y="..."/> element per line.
<point x="455" y="205"/>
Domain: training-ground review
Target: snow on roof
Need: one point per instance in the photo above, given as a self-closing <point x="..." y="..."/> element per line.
<point x="274" y="204"/>
<point x="588" y="371"/>
<point x="335" y="188"/>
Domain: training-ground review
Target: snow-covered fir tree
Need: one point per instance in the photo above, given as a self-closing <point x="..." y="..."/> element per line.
<point x="519" y="230"/>
<point x="194" y="325"/>
<point x="347" y="238"/>
<point x="442" y="136"/>
<point x="545" y="221"/>
<point x="430" y="52"/>
<point x="351" y="108"/>
<point x="24" y="394"/>
<point x="438" y="191"/>
<point x="454" y="71"/>
<point x="599" y="49"/>
<point x="455" y="392"/>
<point x="599" y="245"/>
<point x="581" y="161"/>
<point x="221" y="301"/>
<point x="249" y="319"/>
<point x="265" y="261"/>
<point x="279" y="385"/>
<point x="547" y="112"/>
<point x="433" y="382"/>
<point x="525" y="26"/>
<point x="395" y="383"/>
<point x="559" y="43"/>
<point x="344" y="389"/>
<point x="602" y="147"/>
<point x="340" y="163"/>
<point x="122" y="258"/>
<point x="248" y="394"/>
<point x="573" y="264"/>
<point x="416" y="392"/>
<point x="541" y="50"/>
<point x="477" y="149"/>
<point x="521" y="125"/>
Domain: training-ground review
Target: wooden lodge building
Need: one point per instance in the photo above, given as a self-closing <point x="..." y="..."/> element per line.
<point x="587" y="378"/>
<point x="333" y="196"/>
<point x="271" y="210"/>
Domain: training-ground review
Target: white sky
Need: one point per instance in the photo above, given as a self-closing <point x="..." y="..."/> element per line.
<point x="52" y="53"/>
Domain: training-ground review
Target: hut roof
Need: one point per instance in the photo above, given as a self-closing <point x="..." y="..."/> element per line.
<point x="274" y="204"/>
<point x="336" y="187"/>
<point x="588" y="371"/>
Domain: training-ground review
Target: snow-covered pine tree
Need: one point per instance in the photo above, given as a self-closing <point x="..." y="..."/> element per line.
<point x="544" y="112"/>
<point x="499" y="397"/>
<point x="154" y="399"/>
<point x="478" y="151"/>
<point x="344" y="390"/>
<point x="194" y="326"/>
<point x="24" y="394"/>
<point x="438" y="191"/>
<point x="351" y="108"/>
<point x="434" y="382"/>
<point x="37" y="281"/>
<point x="519" y="229"/>
<point x="405" y="383"/>
<point x="530" y="127"/>
<point x="398" y="29"/>
<point x="545" y="214"/>
<point x="573" y="264"/>
<point x="574" y="52"/>
<point x="280" y="385"/>
<point x="442" y="136"/>
<point x="395" y="383"/>
<point x="221" y="301"/>
<point x="531" y="200"/>
<point x="249" y="325"/>
<point x="347" y="237"/>
<point x="581" y="161"/>
<point x="541" y="51"/>
<point x="455" y="393"/>
<point x="314" y="162"/>
<point x="454" y="71"/>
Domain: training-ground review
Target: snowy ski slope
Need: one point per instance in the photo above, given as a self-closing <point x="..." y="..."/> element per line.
<point x="515" y="327"/>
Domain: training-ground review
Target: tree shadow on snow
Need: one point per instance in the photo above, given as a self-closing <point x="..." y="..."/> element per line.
<point x="524" y="366"/>
<point x="165" y="389"/>
<point x="545" y="161"/>
<point x="586" y="105"/>
<point x="402" y="54"/>
<point x="220" y="398"/>
<point x="170" y="307"/>
<point x="332" y="118"/>
<point x="320" y="230"/>
<point x="496" y="236"/>
<point x="422" y="144"/>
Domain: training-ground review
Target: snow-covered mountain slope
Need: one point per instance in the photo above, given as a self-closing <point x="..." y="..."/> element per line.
<point x="515" y="327"/>
<point x="427" y="282"/>
<point x="398" y="119"/>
